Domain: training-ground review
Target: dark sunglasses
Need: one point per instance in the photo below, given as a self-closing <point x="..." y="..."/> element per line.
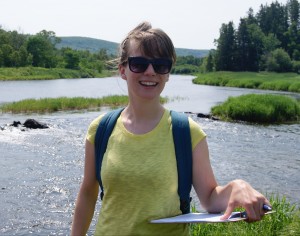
<point x="140" y="64"/>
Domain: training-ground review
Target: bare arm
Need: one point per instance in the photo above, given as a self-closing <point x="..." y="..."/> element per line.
<point x="87" y="196"/>
<point x="215" y="198"/>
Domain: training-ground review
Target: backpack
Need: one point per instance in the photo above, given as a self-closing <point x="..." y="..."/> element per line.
<point x="183" y="151"/>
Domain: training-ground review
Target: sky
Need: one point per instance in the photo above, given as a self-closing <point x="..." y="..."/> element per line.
<point x="192" y="24"/>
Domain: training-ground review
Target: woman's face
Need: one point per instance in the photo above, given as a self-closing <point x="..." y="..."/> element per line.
<point x="146" y="85"/>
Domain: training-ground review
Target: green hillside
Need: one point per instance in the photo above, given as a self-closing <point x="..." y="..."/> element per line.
<point x="90" y="44"/>
<point x="94" y="45"/>
<point x="191" y="52"/>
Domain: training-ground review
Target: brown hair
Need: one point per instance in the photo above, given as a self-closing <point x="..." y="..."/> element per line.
<point x="152" y="43"/>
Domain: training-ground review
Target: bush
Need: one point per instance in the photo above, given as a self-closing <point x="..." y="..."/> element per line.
<point x="259" y="108"/>
<point x="185" y="69"/>
<point x="279" y="61"/>
<point x="296" y="67"/>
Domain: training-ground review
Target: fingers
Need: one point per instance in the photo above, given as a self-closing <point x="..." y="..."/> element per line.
<point x="228" y="212"/>
<point x="255" y="211"/>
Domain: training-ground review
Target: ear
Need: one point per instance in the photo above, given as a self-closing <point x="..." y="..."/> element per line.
<point x="122" y="72"/>
<point x="123" y="76"/>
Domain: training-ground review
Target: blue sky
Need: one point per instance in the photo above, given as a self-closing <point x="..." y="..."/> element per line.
<point x="190" y="23"/>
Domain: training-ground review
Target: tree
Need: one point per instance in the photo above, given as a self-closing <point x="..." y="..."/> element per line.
<point x="279" y="61"/>
<point x="209" y="62"/>
<point x="226" y="48"/>
<point x="243" y="43"/>
<point x="42" y="48"/>
<point x="6" y="50"/>
<point x="293" y="40"/>
<point x="1" y="58"/>
<point x="71" y="58"/>
<point x="293" y="8"/>
<point x="273" y="19"/>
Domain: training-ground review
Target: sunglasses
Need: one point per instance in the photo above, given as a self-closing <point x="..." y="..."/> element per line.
<point x="140" y="64"/>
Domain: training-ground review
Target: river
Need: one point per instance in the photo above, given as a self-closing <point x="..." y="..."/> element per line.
<point x="41" y="170"/>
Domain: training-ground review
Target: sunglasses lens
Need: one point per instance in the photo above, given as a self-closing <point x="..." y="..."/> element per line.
<point x="140" y="65"/>
<point x="162" y="66"/>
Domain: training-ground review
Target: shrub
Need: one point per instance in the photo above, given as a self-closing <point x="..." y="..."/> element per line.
<point x="259" y="108"/>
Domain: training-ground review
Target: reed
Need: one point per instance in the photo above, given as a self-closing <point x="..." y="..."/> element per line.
<point x="38" y="73"/>
<point x="285" y="221"/>
<point x="259" y="108"/>
<point x="289" y="82"/>
<point x="44" y="105"/>
<point x="62" y="104"/>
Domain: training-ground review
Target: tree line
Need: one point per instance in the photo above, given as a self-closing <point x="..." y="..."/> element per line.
<point x="39" y="50"/>
<point x="266" y="41"/>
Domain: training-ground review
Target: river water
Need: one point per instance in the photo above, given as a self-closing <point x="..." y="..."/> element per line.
<point x="41" y="170"/>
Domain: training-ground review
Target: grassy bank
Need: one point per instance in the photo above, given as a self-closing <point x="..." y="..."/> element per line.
<point x="38" y="73"/>
<point x="64" y="104"/>
<point x="259" y="108"/>
<point x="285" y="221"/>
<point x="264" y="80"/>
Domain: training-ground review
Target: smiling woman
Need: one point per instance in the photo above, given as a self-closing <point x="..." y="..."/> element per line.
<point x="135" y="157"/>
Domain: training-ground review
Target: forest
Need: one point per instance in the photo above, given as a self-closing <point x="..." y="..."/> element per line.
<point x="268" y="40"/>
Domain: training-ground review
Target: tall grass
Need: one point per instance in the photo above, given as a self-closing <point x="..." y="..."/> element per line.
<point x="259" y="108"/>
<point x="289" y="82"/>
<point x="285" y="221"/>
<point x="38" y="73"/>
<point x="64" y="103"/>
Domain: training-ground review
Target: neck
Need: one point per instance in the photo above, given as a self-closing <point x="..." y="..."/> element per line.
<point x="142" y="117"/>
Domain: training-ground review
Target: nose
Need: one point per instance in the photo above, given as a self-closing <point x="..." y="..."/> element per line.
<point x="150" y="70"/>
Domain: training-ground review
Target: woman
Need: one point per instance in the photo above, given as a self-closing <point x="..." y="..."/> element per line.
<point x="139" y="172"/>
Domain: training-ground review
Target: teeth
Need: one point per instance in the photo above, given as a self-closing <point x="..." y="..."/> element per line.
<point x="146" y="83"/>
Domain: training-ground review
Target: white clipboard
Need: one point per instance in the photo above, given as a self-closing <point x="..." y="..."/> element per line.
<point x="195" y="218"/>
<point x="202" y="218"/>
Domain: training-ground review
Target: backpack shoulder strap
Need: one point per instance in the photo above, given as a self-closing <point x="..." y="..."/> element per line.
<point x="183" y="150"/>
<point x="103" y="133"/>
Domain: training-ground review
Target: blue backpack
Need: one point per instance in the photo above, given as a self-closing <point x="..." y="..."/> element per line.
<point x="183" y="150"/>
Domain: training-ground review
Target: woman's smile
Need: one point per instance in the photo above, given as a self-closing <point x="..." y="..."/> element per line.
<point x="148" y="83"/>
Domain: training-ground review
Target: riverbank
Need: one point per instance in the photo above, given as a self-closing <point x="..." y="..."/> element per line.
<point x="38" y="73"/>
<point x="289" y="82"/>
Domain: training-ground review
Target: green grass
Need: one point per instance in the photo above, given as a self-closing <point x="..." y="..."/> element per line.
<point x="38" y="73"/>
<point x="62" y="104"/>
<point x="289" y="82"/>
<point x="285" y="221"/>
<point x="259" y="108"/>
<point x="49" y="105"/>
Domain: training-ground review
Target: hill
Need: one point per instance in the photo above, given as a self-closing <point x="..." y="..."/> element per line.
<point x="94" y="45"/>
<point x="90" y="44"/>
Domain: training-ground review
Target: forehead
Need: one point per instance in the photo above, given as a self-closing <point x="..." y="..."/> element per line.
<point x="134" y="49"/>
<point x="139" y="48"/>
